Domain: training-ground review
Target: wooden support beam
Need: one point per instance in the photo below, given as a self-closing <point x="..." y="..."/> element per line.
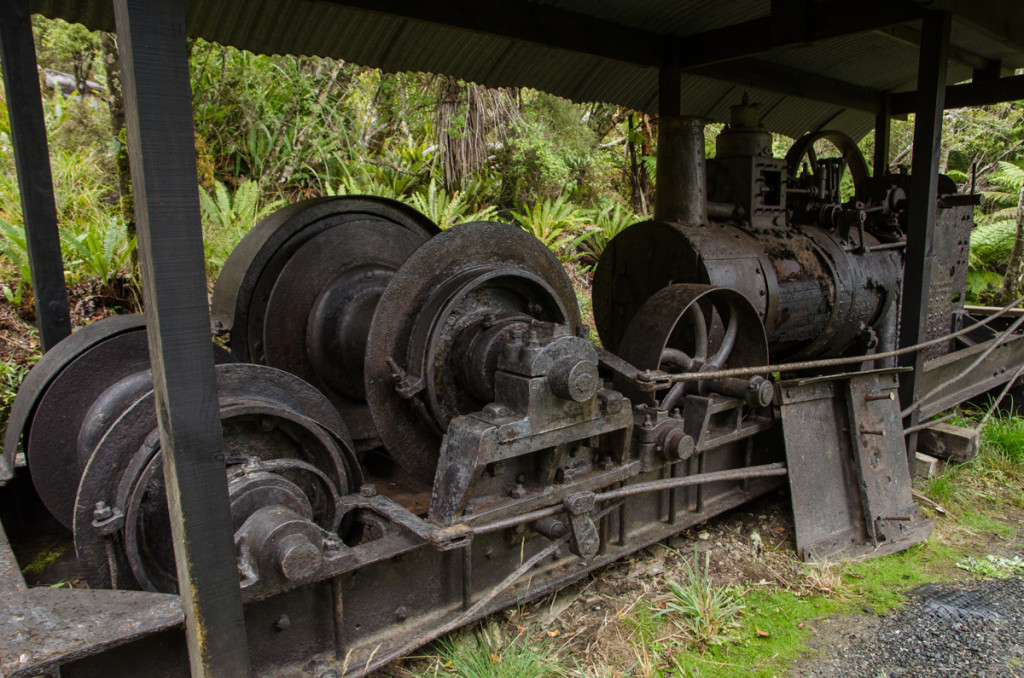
<point x="669" y="87"/>
<point x="977" y="93"/>
<point x="814" y="23"/>
<point x="912" y="37"/>
<point x="35" y="182"/>
<point x="1002" y="20"/>
<point x="543" y="24"/>
<point x="529" y="22"/>
<point x="766" y="75"/>
<point x="161" y="145"/>
<point x="883" y="128"/>
<point x="923" y="199"/>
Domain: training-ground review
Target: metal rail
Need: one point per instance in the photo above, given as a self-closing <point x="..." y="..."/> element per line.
<point x="652" y="380"/>
<point x="763" y="471"/>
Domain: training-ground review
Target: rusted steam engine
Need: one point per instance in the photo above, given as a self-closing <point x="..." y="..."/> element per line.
<point x="418" y="429"/>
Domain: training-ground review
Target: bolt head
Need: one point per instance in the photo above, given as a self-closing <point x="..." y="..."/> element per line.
<point x="102" y="511"/>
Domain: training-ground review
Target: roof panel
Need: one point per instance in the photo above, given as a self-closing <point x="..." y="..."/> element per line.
<point x="669" y="16"/>
<point x="329" y="28"/>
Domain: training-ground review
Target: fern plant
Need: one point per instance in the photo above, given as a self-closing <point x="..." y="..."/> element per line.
<point x="993" y="239"/>
<point x="554" y="223"/>
<point x="447" y="209"/>
<point x="100" y="250"/>
<point x="228" y="216"/>
<point x="14" y="247"/>
<point x="607" y="222"/>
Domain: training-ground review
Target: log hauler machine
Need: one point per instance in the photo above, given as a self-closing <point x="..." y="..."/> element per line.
<point x="417" y="428"/>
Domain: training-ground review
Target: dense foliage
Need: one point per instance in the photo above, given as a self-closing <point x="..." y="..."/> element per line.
<point x="273" y="129"/>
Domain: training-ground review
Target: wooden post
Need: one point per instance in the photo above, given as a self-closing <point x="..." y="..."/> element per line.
<point x="158" y="115"/>
<point x="923" y="198"/>
<point x="35" y="183"/>
<point x="883" y="127"/>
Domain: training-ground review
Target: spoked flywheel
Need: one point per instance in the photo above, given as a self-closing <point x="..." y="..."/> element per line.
<point x="693" y="329"/>
<point x="442" y="325"/>
<point x="299" y="291"/>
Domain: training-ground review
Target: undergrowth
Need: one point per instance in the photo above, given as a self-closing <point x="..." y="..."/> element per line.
<point x="489" y="651"/>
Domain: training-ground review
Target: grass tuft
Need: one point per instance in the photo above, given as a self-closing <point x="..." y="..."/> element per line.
<point x="489" y="652"/>
<point x="706" y="612"/>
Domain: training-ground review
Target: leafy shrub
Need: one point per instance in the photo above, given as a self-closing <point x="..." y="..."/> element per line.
<point x="100" y="250"/>
<point x="607" y="222"/>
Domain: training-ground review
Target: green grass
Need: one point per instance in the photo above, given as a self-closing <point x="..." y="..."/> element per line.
<point x="780" y="615"/>
<point x="703" y="610"/>
<point x="490" y="652"/>
<point x="1004" y="436"/>
<point x="979" y="522"/>
<point x="42" y="561"/>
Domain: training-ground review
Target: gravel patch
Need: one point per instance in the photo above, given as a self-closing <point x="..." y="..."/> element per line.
<point x="967" y="629"/>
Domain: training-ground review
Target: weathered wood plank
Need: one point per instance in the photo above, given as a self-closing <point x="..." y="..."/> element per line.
<point x="931" y="89"/>
<point x="35" y="182"/>
<point x="158" y="113"/>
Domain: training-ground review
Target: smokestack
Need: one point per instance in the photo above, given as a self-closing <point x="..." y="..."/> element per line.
<point x="681" y="181"/>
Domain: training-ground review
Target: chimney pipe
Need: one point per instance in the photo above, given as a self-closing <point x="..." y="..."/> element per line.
<point x="681" y="181"/>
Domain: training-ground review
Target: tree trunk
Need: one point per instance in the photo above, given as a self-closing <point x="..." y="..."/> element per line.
<point x="1013" y="282"/>
<point x="115" y="102"/>
<point x="639" y="182"/>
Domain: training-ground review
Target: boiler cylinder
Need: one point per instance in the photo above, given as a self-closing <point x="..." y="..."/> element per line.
<point x="816" y="294"/>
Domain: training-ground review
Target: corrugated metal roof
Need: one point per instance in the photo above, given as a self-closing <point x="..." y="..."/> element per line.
<point x="870" y="60"/>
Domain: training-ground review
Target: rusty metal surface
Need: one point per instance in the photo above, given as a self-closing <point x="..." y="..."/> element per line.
<point x="849" y="479"/>
<point x="321" y="306"/>
<point x="694" y="320"/>
<point x="49" y="368"/>
<point x="51" y="452"/>
<point x="77" y="395"/>
<point x="996" y="369"/>
<point x="946" y="296"/>
<point x="469" y="275"/>
<point x="300" y="289"/>
<point x="273" y="424"/>
<point x="42" y="628"/>
<point x="267" y="247"/>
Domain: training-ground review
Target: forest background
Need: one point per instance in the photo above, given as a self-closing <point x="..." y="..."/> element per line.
<point x="271" y="130"/>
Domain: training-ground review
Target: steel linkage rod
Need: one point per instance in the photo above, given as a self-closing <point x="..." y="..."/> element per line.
<point x="764" y="471"/>
<point x="656" y="380"/>
<point x="479" y="606"/>
<point x="746" y="473"/>
<point x="999" y="340"/>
